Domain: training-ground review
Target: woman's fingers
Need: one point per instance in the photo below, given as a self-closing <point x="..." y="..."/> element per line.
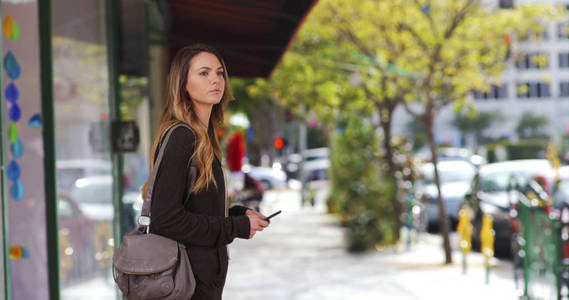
<point x="257" y="224"/>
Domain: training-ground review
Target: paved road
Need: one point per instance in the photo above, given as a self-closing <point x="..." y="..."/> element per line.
<point x="302" y="256"/>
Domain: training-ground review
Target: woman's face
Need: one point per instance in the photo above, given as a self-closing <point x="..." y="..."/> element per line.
<point x="206" y="83"/>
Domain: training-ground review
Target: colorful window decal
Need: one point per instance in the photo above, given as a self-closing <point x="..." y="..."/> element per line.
<point x="17" y="149"/>
<point x="13" y="132"/>
<point x="17" y="190"/>
<point x="12" y="94"/>
<point x="35" y="121"/>
<point x="13" y="171"/>
<point x="18" y="252"/>
<point x="11" y="66"/>
<point x="10" y="28"/>
<point x="14" y="113"/>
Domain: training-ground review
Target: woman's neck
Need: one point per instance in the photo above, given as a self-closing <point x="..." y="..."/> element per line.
<point x="203" y="111"/>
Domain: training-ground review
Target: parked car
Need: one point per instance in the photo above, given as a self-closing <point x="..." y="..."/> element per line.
<point x="315" y="165"/>
<point x="292" y="166"/>
<point x="94" y="195"/>
<point x="455" y="179"/>
<point x="68" y="171"/>
<point x="76" y="248"/>
<point x="496" y="190"/>
<point x="315" y="154"/>
<point x="269" y="177"/>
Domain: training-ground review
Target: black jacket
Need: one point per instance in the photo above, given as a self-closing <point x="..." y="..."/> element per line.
<point x="202" y="225"/>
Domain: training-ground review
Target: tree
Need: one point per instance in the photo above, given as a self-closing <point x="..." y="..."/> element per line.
<point x="474" y="124"/>
<point x="531" y="126"/>
<point x="461" y="47"/>
<point x="370" y="56"/>
<point x="345" y="59"/>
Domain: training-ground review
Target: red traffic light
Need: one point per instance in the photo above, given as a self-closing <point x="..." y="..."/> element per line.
<point x="279" y="143"/>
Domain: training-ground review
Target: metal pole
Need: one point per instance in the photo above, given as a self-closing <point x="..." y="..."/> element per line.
<point x="48" y="125"/>
<point x="302" y="144"/>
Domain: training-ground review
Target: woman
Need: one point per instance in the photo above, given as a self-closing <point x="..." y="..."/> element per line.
<point x="198" y="90"/>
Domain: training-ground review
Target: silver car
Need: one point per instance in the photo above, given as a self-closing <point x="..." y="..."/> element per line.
<point x="455" y="179"/>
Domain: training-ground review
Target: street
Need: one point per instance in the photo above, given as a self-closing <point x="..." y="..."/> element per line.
<point x="302" y="256"/>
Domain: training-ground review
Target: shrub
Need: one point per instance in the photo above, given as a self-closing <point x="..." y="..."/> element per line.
<point x="360" y="191"/>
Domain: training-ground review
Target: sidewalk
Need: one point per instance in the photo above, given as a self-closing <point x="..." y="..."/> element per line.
<point x="302" y="256"/>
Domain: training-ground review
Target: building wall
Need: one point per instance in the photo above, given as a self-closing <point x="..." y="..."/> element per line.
<point x="554" y="107"/>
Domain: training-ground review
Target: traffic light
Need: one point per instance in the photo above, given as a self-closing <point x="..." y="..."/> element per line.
<point x="279" y="143"/>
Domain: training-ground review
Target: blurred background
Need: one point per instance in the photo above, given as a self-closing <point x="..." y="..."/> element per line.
<point x="418" y="149"/>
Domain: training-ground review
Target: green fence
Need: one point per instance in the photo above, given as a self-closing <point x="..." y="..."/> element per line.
<point x="541" y="249"/>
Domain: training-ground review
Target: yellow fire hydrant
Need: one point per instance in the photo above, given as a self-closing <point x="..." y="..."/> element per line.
<point x="464" y="229"/>
<point x="487" y="241"/>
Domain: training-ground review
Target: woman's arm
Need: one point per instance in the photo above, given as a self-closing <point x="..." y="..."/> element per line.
<point x="237" y="210"/>
<point x="168" y="217"/>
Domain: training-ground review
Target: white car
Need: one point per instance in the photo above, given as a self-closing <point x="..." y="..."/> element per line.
<point x="269" y="177"/>
<point x="455" y="179"/>
<point x="94" y="196"/>
<point x="315" y="166"/>
<point x="69" y="171"/>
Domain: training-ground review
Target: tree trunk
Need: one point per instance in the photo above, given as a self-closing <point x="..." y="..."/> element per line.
<point x="443" y="219"/>
<point x="392" y="168"/>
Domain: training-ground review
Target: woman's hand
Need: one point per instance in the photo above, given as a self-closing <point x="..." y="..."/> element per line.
<point x="257" y="221"/>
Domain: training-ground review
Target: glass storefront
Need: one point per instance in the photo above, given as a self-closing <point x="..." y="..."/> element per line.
<point x="83" y="153"/>
<point x="24" y="194"/>
<point x="83" y="81"/>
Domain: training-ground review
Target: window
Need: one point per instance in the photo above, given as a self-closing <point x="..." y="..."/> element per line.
<point x="563" y="31"/>
<point x="535" y="35"/>
<point x="495" y="92"/>
<point x="564" y="89"/>
<point x="533" y="90"/>
<point x="506" y="3"/>
<point x="538" y="60"/>
<point x="564" y="60"/>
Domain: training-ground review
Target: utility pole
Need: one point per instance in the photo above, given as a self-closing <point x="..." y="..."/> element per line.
<point x="302" y="147"/>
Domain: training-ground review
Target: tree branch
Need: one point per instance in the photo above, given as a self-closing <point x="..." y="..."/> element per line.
<point x="458" y="18"/>
<point x="415" y="115"/>
<point x="428" y="16"/>
<point x="405" y="27"/>
<point x="349" y="34"/>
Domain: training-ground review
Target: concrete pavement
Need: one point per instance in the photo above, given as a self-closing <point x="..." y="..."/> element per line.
<point x="302" y="256"/>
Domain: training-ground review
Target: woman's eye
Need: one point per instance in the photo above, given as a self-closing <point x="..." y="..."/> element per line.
<point x="203" y="73"/>
<point x="219" y="73"/>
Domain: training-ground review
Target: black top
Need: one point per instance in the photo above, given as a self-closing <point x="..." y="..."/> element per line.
<point x="202" y="225"/>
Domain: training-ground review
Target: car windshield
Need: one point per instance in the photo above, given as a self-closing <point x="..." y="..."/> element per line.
<point x="447" y="176"/>
<point x="495" y="182"/>
<point x="92" y="193"/>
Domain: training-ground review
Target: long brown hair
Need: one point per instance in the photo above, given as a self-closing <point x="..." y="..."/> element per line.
<point x="179" y="109"/>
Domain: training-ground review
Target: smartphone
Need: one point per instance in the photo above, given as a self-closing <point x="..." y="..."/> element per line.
<point x="269" y="217"/>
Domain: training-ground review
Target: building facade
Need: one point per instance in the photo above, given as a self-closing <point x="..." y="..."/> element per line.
<point x="536" y="81"/>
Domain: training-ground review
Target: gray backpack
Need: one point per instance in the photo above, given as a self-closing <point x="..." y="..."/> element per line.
<point x="150" y="266"/>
